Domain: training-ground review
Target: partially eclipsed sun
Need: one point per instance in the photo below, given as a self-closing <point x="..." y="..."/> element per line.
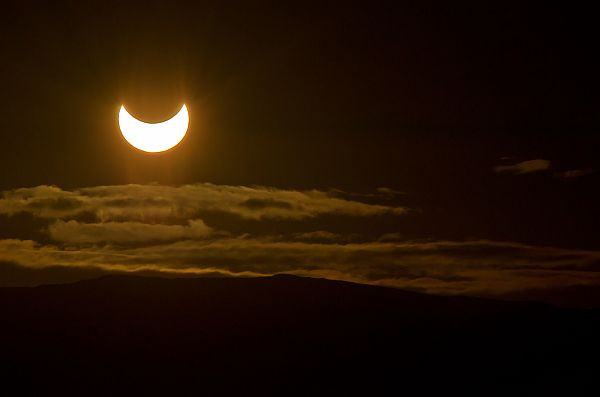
<point x="154" y="137"/>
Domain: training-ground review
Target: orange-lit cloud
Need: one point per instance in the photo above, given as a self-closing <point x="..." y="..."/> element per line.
<point x="159" y="229"/>
<point x="156" y="202"/>
<point x="524" y="167"/>
<point x="471" y="267"/>
<point x="76" y="232"/>
<point x="574" y="173"/>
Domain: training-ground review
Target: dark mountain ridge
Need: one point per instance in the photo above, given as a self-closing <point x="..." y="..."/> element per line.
<point x="284" y="335"/>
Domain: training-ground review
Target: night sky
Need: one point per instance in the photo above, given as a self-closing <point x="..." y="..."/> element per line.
<point x="447" y="148"/>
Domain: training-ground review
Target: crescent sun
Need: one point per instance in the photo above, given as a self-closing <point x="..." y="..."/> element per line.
<point x="154" y="137"/>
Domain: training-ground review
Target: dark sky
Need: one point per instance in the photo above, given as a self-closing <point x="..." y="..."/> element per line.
<point x="424" y="99"/>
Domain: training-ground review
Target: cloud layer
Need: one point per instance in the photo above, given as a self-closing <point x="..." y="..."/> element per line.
<point x="574" y="173"/>
<point x="154" y="228"/>
<point x="470" y="267"/>
<point x="76" y="232"/>
<point x="154" y="203"/>
<point x="524" y="167"/>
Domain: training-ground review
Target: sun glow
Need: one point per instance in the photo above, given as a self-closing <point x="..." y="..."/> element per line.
<point x="154" y="137"/>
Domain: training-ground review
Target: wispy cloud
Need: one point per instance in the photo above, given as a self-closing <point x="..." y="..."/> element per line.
<point x="524" y="167"/>
<point x="574" y="173"/>
<point x="77" y="232"/>
<point x="448" y="267"/>
<point x="320" y="235"/>
<point x="153" y="228"/>
<point x="155" y="203"/>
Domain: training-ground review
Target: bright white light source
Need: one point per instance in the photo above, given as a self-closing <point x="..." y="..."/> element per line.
<point x="154" y="137"/>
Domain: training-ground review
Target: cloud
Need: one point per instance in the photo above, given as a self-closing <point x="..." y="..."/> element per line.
<point x="126" y="232"/>
<point x="320" y="235"/>
<point x="389" y="192"/>
<point x="524" y="167"/>
<point x="391" y="237"/>
<point x="154" y="229"/>
<point x="574" y="173"/>
<point x="446" y="267"/>
<point x="158" y="203"/>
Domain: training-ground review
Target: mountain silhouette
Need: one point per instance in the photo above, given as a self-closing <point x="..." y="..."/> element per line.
<point x="284" y="335"/>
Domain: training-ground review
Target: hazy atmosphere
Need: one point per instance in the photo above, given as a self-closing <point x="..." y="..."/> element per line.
<point x="448" y="151"/>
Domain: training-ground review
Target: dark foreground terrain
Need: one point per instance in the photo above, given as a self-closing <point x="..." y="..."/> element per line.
<point x="286" y="335"/>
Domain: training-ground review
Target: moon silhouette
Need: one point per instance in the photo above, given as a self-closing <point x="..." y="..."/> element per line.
<point x="154" y="137"/>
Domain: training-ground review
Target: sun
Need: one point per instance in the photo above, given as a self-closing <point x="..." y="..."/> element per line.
<point x="154" y="137"/>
